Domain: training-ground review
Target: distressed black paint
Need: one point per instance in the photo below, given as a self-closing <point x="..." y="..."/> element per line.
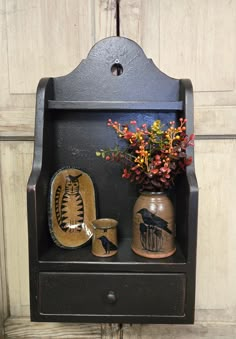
<point x="70" y="126"/>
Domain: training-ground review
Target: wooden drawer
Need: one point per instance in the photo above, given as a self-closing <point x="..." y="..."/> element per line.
<point x="111" y="294"/>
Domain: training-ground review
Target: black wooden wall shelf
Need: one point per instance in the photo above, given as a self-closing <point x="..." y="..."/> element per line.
<point x="116" y="81"/>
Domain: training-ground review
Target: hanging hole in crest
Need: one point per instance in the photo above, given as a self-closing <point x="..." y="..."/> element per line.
<point x="116" y="69"/>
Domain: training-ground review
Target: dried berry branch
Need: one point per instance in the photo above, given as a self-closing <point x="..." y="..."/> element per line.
<point x="153" y="156"/>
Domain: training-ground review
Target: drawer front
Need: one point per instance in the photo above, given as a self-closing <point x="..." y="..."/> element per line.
<point x="112" y="294"/>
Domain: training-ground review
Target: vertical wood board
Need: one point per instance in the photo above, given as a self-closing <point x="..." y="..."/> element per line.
<point x="196" y="38"/>
<point x="188" y="39"/>
<point x="3" y="282"/>
<point x="140" y="21"/>
<point x="104" y="19"/>
<point x="10" y="101"/>
<point x="216" y="273"/>
<point x="50" y="36"/>
<point x="46" y="38"/>
<point x="16" y="162"/>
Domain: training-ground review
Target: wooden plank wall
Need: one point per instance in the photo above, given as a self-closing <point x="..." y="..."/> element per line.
<point x="186" y="39"/>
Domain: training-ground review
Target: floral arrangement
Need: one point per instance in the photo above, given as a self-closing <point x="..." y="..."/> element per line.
<point x="153" y="156"/>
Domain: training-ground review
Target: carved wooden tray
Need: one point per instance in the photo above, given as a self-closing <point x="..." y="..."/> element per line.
<point x="71" y="208"/>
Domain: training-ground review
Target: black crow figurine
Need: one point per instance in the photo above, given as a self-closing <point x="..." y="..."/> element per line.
<point x="107" y="244"/>
<point x="153" y="220"/>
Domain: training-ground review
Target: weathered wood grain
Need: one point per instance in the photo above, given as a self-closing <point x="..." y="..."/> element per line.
<point x="45" y="51"/>
<point x="3" y="281"/>
<point x="187" y="39"/>
<point x="22" y="328"/>
<point x="16" y="162"/>
<point x="193" y="42"/>
<point x="216" y="275"/>
<point x="19" y="328"/>
<point x="8" y="100"/>
<point x="140" y="21"/>
<point x="2" y="268"/>
<point x="211" y="120"/>
<point x="111" y="331"/>
<point x="18" y="123"/>
<point x="197" y="331"/>
<point x="42" y="50"/>
<point x="104" y="19"/>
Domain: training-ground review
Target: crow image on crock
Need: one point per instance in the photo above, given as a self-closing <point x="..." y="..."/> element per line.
<point x="107" y="244"/>
<point x="151" y="229"/>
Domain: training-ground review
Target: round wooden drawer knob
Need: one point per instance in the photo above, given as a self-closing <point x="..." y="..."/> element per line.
<point x="111" y="297"/>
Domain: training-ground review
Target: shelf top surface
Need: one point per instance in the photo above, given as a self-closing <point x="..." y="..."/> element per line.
<point x="116" y="105"/>
<point x="125" y="259"/>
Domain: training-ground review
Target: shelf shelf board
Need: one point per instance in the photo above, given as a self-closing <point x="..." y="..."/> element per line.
<point x="116" y="105"/>
<point x="57" y="259"/>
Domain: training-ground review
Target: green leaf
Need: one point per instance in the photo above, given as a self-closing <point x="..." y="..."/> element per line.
<point x="98" y="154"/>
